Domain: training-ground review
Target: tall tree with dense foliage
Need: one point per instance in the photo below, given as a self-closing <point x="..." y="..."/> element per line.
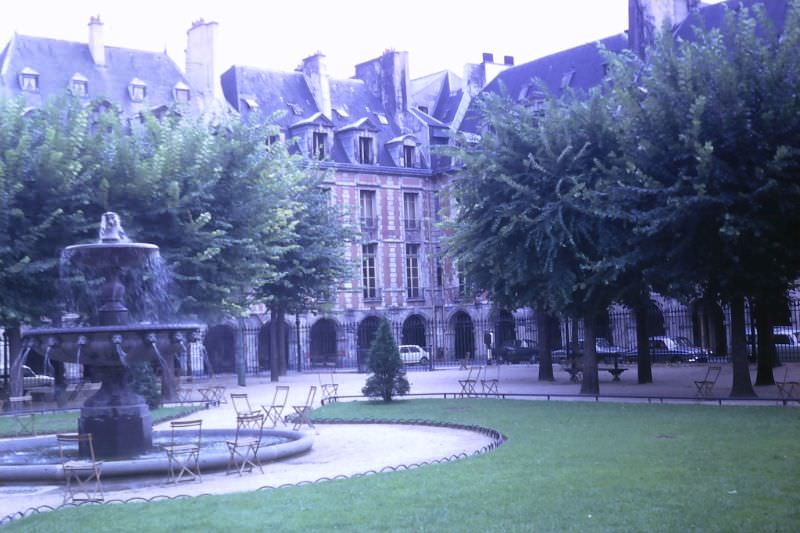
<point x="711" y="129"/>
<point x="529" y="227"/>
<point x="311" y="262"/>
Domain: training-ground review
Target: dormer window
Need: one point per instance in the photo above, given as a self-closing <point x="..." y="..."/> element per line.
<point x="382" y="119"/>
<point x="181" y="93"/>
<point x="318" y="141"/>
<point x="29" y="80"/>
<point x="423" y="108"/>
<point x="365" y="151"/>
<point x="79" y="85"/>
<point x="137" y="90"/>
<point x="566" y="79"/>
<point x="409" y="156"/>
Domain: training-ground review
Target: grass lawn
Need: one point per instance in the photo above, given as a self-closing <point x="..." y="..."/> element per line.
<point x="567" y="466"/>
<point x="62" y="422"/>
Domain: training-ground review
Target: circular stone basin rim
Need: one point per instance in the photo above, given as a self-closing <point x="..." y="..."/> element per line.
<point x="299" y="443"/>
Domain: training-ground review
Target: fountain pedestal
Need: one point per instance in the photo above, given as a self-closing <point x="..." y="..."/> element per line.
<point x="118" y="418"/>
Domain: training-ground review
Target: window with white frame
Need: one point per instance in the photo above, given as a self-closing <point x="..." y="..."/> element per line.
<point x="318" y="141"/>
<point x="365" y="151"/>
<point x="137" y="90"/>
<point x="409" y="156"/>
<point x="411" y="210"/>
<point x="29" y="80"/>
<point x="369" y="280"/>
<point x="412" y="272"/>
<point x="368" y="210"/>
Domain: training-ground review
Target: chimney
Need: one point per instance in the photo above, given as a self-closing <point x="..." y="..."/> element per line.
<point x="647" y="17"/>
<point x="488" y="57"/>
<point x="315" y="72"/>
<point x="97" y="45"/>
<point x="387" y="78"/>
<point x="508" y="61"/>
<point x="201" y="60"/>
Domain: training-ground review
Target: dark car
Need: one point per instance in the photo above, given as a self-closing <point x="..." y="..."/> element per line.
<point x="605" y="351"/>
<point x="665" y="349"/>
<point x="518" y="351"/>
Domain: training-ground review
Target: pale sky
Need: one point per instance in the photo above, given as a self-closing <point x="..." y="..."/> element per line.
<point x="437" y="34"/>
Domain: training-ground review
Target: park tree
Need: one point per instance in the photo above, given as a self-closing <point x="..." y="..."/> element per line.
<point x="311" y="262"/>
<point x="531" y="226"/>
<point x="711" y="131"/>
<point x="43" y="193"/>
<point x="388" y="378"/>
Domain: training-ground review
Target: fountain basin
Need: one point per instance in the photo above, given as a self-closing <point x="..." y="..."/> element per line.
<point x="210" y="460"/>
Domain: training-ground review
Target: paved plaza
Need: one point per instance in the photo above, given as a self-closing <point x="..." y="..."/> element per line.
<point x="352" y="448"/>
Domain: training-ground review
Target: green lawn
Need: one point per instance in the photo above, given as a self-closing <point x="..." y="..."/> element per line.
<point x="567" y="466"/>
<point x="62" y="422"/>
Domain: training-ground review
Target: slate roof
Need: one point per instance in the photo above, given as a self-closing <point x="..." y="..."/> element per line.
<point x="287" y="93"/>
<point x="57" y="61"/>
<point x="582" y="64"/>
<point x="587" y="63"/>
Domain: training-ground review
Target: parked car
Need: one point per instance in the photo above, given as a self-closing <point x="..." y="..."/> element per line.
<point x="665" y="349"/>
<point x="786" y="340"/>
<point x="30" y="379"/>
<point x="412" y="354"/>
<point x="517" y="351"/>
<point x="604" y="349"/>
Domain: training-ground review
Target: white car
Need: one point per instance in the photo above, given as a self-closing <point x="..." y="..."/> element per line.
<point x="413" y="354"/>
<point x="31" y="379"/>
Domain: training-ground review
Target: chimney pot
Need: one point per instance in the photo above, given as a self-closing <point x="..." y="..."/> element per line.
<point x="508" y="60"/>
<point x="488" y="58"/>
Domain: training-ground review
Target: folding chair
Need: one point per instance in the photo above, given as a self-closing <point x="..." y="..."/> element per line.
<point x="183" y="451"/>
<point x="302" y="411"/>
<point x="787" y="388"/>
<point x="489" y="385"/>
<point x="327" y="390"/>
<point x="468" y="384"/>
<point x="705" y="386"/>
<point x="244" y="448"/>
<point x="82" y="476"/>
<point x="25" y="420"/>
<point x="274" y="412"/>
<point x="241" y="404"/>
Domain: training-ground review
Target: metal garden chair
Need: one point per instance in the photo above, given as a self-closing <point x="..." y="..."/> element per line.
<point x="82" y="476"/>
<point x="183" y="451"/>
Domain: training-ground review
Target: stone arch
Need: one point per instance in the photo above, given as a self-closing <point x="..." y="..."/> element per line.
<point x="264" y="350"/>
<point x="324" y="342"/>
<point x="414" y="331"/>
<point x="463" y="329"/>
<point x="367" y="329"/>
<point x="220" y="345"/>
<point x="504" y="327"/>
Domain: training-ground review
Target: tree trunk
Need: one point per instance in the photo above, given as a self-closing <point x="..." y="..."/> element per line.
<point x="742" y="386"/>
<point x="274" y="356"/>
<point x="766" y="347"/>
<point x="545" y="345"/>
<point x="282" y="355"/>
<point x="17" y="359"/>
<point x="644" y="368"/>
<point x="590" y="383"/>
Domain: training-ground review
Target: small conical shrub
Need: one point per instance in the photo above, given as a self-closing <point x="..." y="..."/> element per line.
<point x="388" y="376"/>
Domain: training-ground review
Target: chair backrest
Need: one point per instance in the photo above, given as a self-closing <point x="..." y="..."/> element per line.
<point x="240" y="401"/>
<point x="251" y="421"/>
<point x="312" y="392"/>
<point x="281" y="395"/>
<point x="68" y="441"/>
<point x="713" y="373"/>
<point x="190" y="428"/>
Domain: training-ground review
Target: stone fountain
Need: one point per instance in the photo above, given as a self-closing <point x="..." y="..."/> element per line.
<point x="115" y="415"/>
